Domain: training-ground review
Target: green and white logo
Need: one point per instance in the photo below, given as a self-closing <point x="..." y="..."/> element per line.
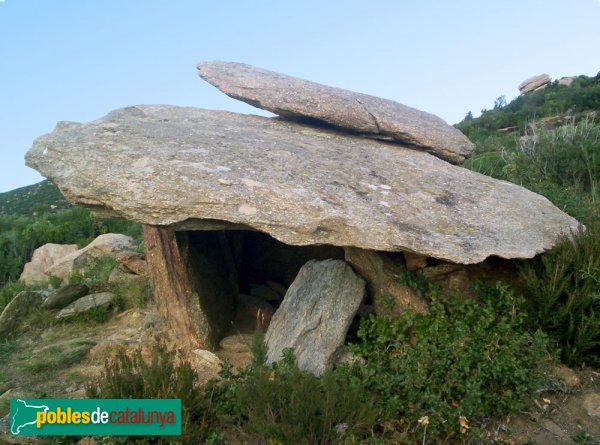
<point x="48" y="417"/>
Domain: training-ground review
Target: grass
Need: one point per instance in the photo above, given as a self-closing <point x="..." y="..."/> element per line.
<point x="561" y="287"/>
<point x="130" y="376"/>
<point x="563" y="295"/>
<point x="9" y="290"/>
<point x="562" y="164"/>
<point x="58" y="356"/>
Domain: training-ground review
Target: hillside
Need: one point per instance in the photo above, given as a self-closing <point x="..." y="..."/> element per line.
<point x="37" y="198"/>
<point x="547" y="141"/>
<point x="552" y="105"/>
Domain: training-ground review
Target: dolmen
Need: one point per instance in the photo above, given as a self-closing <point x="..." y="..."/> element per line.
<point x="336" y="175"/>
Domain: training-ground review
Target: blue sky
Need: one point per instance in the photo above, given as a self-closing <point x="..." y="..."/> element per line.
<point x="77" y="60"/>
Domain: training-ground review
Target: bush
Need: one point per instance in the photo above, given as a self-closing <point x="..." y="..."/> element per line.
<point x="563" y="290"/>
<point x="436" y="376"/>
<point x="8" y="292"/>
<point x="95" y="274"/>
<point x="129" y="376"/>
<point x="562" y="164"/>
<point x="441" y="374"/>
<point x="282" y="404"/>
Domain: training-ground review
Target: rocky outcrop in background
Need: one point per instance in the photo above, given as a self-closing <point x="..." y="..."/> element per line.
<point x="534" y="83"/>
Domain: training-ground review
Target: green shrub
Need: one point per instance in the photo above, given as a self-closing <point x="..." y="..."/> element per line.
<point x="449" y="370"/>
<point x="58" y="357"/>
<point x="563" y="292"/>
<point x="8" y="292"/>
<point x="136" y="293"/>
<point x="282" y="404"/>
<point x="561" y="164"/>
<point x="129" y="376"/>
<point x="95" y="274"/>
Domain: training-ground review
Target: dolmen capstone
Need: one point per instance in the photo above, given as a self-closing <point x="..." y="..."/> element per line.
<point x="351" y="172"/>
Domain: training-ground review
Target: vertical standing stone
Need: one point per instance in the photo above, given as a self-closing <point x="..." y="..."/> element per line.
<point x="315" y="315"/>
<point x="390" y="297"/>
<point x="193" y="286"/>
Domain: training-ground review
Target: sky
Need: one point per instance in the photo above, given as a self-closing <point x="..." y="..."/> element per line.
<point x="76" y="60"/>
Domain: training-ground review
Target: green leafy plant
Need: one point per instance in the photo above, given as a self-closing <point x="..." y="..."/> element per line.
<point x="8" y="292"/>
<point x="95" y="275"/>
<point x="128" y="375"/>
<point x="562" y="164"/>
<point x="563" y="294"/>
<point x="583" y="437"/>
<point x="447" y="371"/>
<point x="285" y="405"/>
<point x="281" y="404"/>
<point x="136" y="293"/>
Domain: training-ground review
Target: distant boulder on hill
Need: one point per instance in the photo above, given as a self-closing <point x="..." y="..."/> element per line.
<point x="567" y="80"/>
<point x="534" y="83"/>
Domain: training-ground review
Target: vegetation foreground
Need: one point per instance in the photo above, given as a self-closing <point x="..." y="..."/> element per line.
<point x="450" y="376"/>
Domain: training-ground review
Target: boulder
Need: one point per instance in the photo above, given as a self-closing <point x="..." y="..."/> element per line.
<point x="301" y="185"/>
<point x="566" y="81"/>
<point x="414" y="261"/>
<point x="534" y="83"/>
<point x="315" y="315"/>
<point x="359" y="113"/>
<point x="103" y="246"/>
<point x="133" y="262"/>
<point x="65" y="295"/>
<point x="237" y="343"/>
<point x="256" y="308"/>
<point x="123" y="277"/>
<point x="203" y="359"/>
<point x="591" y="404"/>
<point x="390" y="297"/>
<point x="43" y="258"/>
<point x="87" y="303"/>
<point x="17" y="309"/>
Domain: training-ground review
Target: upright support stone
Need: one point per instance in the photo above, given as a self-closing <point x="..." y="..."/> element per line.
<point x="389" y="295"/>
<point x="188" y="297"/>
<point x="315" y="315"/>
